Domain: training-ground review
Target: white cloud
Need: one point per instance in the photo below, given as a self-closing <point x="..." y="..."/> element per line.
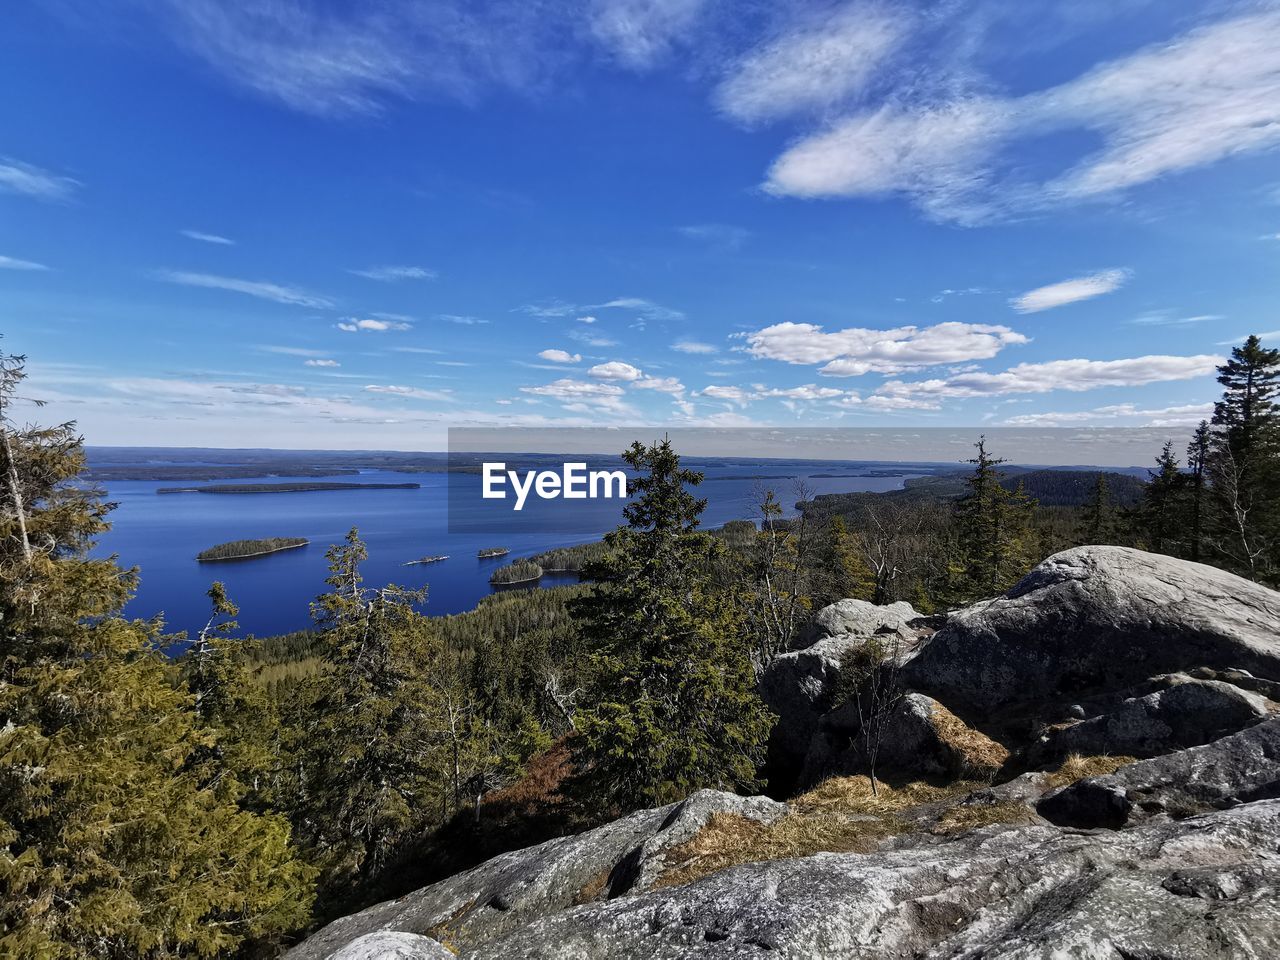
<point x="321" y="363"/>
<point x="567" y="389"/>
<point x="587" y="319"/>
<point x="206" y="237"/>
<point x="461" y="320"/>
<point x="1070" y="291"/>
<point x="644" y="308"/>
<point x="414" y="350"/>
<point x="821" y="62"/>
<point x="354" y="325"/>
<point x="391" y="273"/>
<point x="1236" y="341"/>
<point x="641" y="32"/>
<point x="560" y="356"/>
<point x="615" y="370"/>
<point x="734" y="395"/>
<point x="1163" y="417"/>
<point x="1207" y="95"/>
<point x="24" y="178"/>
<point x="294" y="351"/>
<point x="694" y="346"/>
<point x="412" y="392"/>
<point x="856" y="350"/>
<point x="669" y="385"/>
<point x="1167" y="319"/>
<point x="592" y="339"/>
<point x="254" y="288"/>
<point x="808" y="392"/>
<point x="13" y="263"/>
<point x="1070" y="375"/>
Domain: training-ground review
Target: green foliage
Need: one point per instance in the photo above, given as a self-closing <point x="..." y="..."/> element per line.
<point x="113" y="841"/>
<point x="569" y="559"/>
<point x="673" y="706"/>
<point x="994" y="529"/>
<point x="521" y="571"/>
<point x="239" y="549"/>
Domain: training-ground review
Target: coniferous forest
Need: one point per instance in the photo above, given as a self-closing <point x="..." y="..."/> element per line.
<point x="225" y="801"/>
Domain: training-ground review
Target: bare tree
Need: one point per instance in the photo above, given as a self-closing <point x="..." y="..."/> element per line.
<point x="1243" y="544"/>
<point x="889" y="537"/>
<point x="875" y="672"/>
<point x="784" y="558"/>
<point x="12" y="373"/>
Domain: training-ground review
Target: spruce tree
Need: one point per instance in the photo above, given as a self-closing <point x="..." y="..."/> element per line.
<point x="994" y="531"/>
<point x="674" y="707"/>
<point x="1162" y="516"/>
<point x="1198" y="452"/>
<point x="1098" y="525"/>
<point x="1244" y="463"/>
<point x="111" y="843"/>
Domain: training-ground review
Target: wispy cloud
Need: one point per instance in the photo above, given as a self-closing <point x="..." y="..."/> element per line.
<point x="694" y="346"/>
<point x="293" y="351"/>
<point x="953" y="157"/>
<point x="321" y="363"/>
<point x="720" y="236"/>
<point x="1236" y="341"/>
<point x="207" y="237"/>
<point x="32" y="181"/>
<point x="424" y="350"/>
<point x="390" y="274"/>
<point x="1160" y="417"/>
<point x="413" y="393"/>
<point x="1170" y="319"/>
<point x="1070" y="291"/>
<point x="818" y="63"/>
<point x="13" y="263"/>
<point x="371" y="325"/>
<point x="254" y="288"/>
<point x="639" y="33"/>
<point x="641" y="307"/>
<point x="462" y="321"/>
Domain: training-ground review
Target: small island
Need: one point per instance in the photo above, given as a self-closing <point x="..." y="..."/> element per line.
<point x="410" y="563"/>
<point x="522" y="571"/>
<point x="243" y="549"/>
<point x="490" y="552"/>
<point x="288" y="487"/>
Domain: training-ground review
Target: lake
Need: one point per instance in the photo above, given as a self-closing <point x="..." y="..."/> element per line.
<point x="162" y="533"/>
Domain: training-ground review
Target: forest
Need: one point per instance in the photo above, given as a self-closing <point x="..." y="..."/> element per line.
<point x="224" y="802"/>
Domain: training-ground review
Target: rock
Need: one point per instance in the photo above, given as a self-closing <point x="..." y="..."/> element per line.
<point x="516" y="888"/>
<point x="392" y="946"/>
<point x="921" y="739"/>
<point x="1236" y="769"/>
<point x="1203" y="889"/>
<point x="1187" y="713"/>
<point x="860" y="619"/>
<point x="1097" y="617"/>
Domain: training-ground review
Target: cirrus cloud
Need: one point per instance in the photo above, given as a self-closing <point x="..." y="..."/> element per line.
<point x="1070" y="291"/>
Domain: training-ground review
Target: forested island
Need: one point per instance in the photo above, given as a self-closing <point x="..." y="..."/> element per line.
<point x="521" y="571"/>
<point x="490" y="552"/>
<point x="289" y="487"/>
<point x="243" y="549"/>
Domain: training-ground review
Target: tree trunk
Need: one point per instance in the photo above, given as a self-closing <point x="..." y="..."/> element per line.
<point x="15" y="494"/>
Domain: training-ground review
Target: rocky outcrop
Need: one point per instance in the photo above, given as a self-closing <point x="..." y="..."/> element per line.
<point x="1237" y="769"/>
<point x="517" y="888"/>
<point x="799" y="686"/>
<point x="1201" y="889"/>
<point x="1097" y="617"/>
<point x="921" y="738"/>
<point x="389" y="945"/>
<point x="1185" y="713"/>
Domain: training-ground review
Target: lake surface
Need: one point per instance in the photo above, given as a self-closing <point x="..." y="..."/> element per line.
<point x="162" y="533"/>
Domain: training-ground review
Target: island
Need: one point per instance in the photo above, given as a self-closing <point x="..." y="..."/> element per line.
<point x="410" y="563"/>
<point x="522" y="571"/>
<point x="490" y="552"/>
<point x="243" y="549"/>
<point x="288" y="487"/>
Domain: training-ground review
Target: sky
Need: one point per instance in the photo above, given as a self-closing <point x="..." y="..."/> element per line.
<point x="306" y="224"/>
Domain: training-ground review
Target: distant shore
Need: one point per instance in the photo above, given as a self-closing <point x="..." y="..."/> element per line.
<point x="292" y="487"/>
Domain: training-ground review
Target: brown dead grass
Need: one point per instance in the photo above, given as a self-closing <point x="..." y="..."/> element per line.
<point x="853" y="795"/>
<point x="1077" y="767"/>
<point x="979" y="754"/>
<point x="970" y="816"/>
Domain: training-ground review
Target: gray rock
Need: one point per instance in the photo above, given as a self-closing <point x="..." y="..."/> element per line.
<point x="1098" y="617"/>
<point x="860" y="619"/>
<point x="516" y="888"/>
<point x="386" y="945"/>
<point x="1236" y="769"/>
<point x="1203" y="889"/>
<point x="1187" y="713"/>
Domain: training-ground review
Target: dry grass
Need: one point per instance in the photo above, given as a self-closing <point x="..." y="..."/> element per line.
<point x="853" y="795"/>
<point x="970" y="816"/>
<point x="1077" y="767"/>
<point x="593" y="888"/>
<point x="978" y="753"/>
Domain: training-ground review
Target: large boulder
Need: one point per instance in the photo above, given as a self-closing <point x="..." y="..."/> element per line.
<point x="1097" y="617"/>
<point x="1186" y="712"/>
<point x="1204" y="889"/>
<point x="859" y="618"/>
<point x="386" y="945"/>
<point x="517" y="888"/>
<point x="1237" y="769"/>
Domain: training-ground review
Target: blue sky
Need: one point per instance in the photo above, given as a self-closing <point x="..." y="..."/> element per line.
<point x="322" y="224"/>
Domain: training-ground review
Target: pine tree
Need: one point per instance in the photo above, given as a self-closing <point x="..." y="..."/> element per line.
<point x="1198" y="453"/>
<point x="1244" y="463"/>
<point x="1098" y="525"/>
<point x="994" y="531"/>
<point x="844" y="571"/>
<point x="1162" y="515"/>
<point x="371" y="741"/>
<point x="111" y="845"/>
<point x="674" y="707"/>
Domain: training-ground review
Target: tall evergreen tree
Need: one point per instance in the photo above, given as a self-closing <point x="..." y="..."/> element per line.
<point x="1244" y="464"/>
<point x="112" y="845"/>
<point x="994" y="530"/>
<point x="674" y="708"/>
<point x="1198" y="452"/>
<point x="1162" y="515"/>
<point x="1098" y="525"/>
<point x="370" y="751"/>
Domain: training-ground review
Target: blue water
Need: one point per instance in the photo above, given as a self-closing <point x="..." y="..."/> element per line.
<point x="162" y="533"/>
